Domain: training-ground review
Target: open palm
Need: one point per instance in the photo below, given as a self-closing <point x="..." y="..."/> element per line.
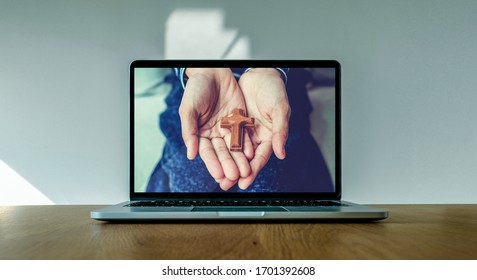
<point x="208" y="97"/>
<point x="266" y="100"/>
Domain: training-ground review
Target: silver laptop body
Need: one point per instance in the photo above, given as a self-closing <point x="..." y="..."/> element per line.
<point x="166" y="185"/>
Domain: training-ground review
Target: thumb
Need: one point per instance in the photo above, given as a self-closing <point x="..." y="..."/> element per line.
<point x="189" y="130"/>
<point x="281" y="116"/>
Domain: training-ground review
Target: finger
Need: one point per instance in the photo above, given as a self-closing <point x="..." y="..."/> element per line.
<point x="280" y="120"/>
<point x="226" y="184"/>
<point x="207" y="153"/>
<point x="228" y="164"/>
<point x="189" y="130"/>
<point x="262" y="155"/>
<point x="248" y="149"/>
<point x="240" y="159"/>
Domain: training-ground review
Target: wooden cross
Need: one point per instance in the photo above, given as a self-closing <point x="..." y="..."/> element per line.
<point x="236" y="122"/>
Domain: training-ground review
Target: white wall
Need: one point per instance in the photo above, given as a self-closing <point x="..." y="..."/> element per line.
<point x="409" y="89"/>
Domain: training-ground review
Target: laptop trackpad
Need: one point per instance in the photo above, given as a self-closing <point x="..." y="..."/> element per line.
<point x="240" y="210"/>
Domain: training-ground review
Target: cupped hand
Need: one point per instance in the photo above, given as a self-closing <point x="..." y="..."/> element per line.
<point x="267" y="101"/>
<point x="210" y="95"/>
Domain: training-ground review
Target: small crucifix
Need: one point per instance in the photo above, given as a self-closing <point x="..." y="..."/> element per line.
<point x="236" y="123"/>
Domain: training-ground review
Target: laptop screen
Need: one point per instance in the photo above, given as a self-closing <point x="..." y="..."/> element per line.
<point x="235" y="127"/>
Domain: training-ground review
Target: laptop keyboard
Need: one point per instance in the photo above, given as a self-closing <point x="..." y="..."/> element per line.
<point x="188" y="203"/>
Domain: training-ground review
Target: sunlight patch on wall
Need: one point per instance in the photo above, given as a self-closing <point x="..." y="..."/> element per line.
<point x="16" y="190"/>
<point x="201" y="33"/>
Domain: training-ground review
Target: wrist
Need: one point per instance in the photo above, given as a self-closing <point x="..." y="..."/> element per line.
<point x="214" y="74"/>
<point x="277" y="72"/>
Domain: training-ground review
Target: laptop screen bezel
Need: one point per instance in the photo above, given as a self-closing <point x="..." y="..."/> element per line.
<point x="336" y="195"/>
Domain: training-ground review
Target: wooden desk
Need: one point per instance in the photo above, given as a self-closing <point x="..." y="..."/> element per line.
<point x="67" y="232"/>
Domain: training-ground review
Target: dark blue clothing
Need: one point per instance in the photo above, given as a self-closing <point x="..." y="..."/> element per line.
<point x="303" y="169"/>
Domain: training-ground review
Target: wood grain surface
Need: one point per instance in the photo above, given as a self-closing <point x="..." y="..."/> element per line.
<point x="68" y="232"/>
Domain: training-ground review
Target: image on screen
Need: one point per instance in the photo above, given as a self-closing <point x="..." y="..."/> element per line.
<point x="171" y="104"/>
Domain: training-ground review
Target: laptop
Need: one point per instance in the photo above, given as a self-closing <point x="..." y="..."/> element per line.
<point x="235" y="140"/>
